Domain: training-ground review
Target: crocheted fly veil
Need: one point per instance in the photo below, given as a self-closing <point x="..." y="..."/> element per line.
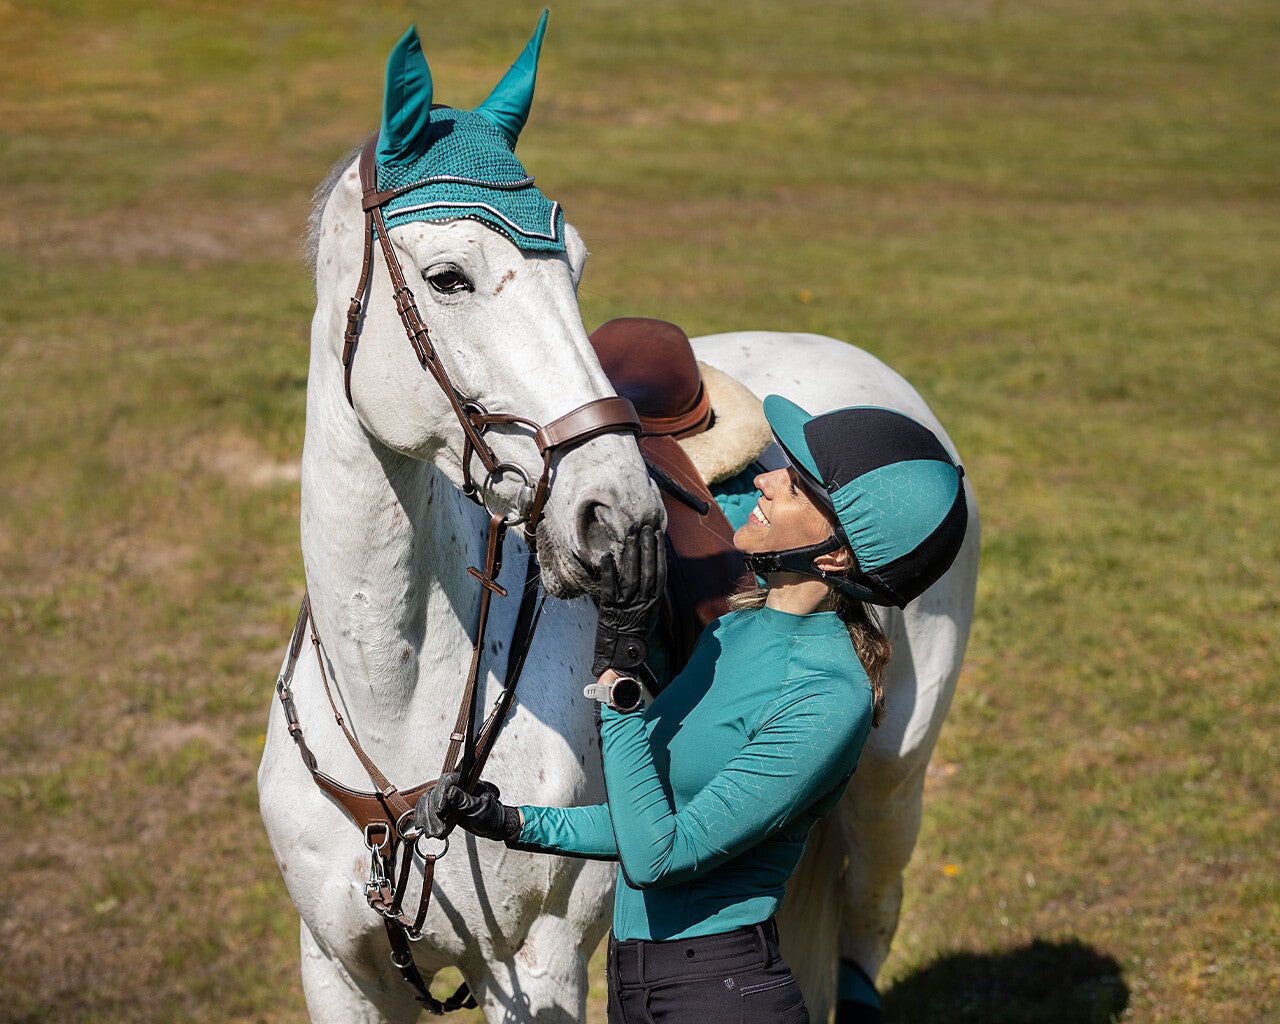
<point x="462" y="163"/>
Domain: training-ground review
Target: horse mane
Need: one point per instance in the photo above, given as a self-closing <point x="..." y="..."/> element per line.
<point x="320" y="199"/>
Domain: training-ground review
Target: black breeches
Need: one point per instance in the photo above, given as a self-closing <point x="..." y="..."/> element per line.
<point x="738" y="976"/>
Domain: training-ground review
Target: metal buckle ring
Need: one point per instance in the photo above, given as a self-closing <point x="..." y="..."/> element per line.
<point x="411" y="833"/>
<point x="401" y="966"/>
<point x="520" y="512"/>
<point x="417" y="846"/>
<point x="473" y="409"/>
<point x="386" y="836"/>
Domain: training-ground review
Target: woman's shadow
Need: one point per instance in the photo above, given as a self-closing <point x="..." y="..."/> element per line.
<point x="1042" y="983"/>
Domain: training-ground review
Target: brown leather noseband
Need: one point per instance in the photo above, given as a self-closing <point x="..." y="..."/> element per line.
<point x="386" y="814"/>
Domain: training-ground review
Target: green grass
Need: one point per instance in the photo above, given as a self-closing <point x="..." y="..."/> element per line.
<point x="1058" y="219"/>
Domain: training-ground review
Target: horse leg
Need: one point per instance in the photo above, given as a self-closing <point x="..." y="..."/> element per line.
<point x="335" y="997"/>
<point x="538" y="971"/>
<point x="881" y="811"/>
<point x="881" y="821"/>
<point x="545" y="980"/>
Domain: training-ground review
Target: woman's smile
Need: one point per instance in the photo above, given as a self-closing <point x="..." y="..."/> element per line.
<point x="792" y="519"/>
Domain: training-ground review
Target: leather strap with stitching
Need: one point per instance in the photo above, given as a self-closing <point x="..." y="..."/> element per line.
<point x="383" y="813"/>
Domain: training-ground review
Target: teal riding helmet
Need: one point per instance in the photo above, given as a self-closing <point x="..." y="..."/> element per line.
<point x="890" y="485"/>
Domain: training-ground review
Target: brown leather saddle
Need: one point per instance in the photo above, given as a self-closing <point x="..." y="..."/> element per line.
<point x="651" y="363"/>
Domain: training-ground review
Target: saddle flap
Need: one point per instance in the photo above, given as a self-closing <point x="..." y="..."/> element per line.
<point x="703" y="566"/>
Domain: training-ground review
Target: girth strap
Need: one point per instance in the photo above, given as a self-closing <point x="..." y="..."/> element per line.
<point x="402" y="957"/>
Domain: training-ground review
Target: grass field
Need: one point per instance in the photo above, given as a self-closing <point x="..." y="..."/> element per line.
<point x="1060" y="219"/>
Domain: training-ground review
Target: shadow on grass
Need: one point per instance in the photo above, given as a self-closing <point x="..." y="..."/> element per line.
<point x="1042" y="983"/>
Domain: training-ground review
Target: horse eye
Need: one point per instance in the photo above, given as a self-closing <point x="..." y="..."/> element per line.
<point x="448" y="281"/>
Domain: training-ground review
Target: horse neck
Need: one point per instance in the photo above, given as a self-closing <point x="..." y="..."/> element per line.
<point x="386" y="542"/>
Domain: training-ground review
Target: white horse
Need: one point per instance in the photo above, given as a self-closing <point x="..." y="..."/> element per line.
<point x="387" y="537"/>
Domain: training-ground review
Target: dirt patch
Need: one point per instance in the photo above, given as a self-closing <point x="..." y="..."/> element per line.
<point x="242" y="463"/>
<point x="166" y="736"/>
<point x="164" y="227"/>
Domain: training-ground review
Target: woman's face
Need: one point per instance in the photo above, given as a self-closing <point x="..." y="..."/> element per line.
<point x="785" y="516"/>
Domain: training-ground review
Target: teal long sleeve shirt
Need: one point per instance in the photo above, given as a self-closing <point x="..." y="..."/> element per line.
<point x="713" y="790"/>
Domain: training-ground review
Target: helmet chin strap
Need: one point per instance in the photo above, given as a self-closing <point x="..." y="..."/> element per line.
<point x="800" y="561"/>
<point x="797" y="560"/>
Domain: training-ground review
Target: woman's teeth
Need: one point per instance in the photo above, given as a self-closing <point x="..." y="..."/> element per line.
<point x="758" y="516"/>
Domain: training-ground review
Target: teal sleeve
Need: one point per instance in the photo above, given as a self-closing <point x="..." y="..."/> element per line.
<point x="575" y="831"/>
<point x="800" y="753"/>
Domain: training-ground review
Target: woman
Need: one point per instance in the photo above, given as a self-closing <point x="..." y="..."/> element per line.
<point x="713" y="789"/>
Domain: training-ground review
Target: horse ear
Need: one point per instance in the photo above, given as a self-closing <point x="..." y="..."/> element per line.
<point x="406" y="104"/>
<point x="508" y="105"/>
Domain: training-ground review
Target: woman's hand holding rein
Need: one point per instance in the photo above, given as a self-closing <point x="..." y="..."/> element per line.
<point x="447" y="804"/>
<point x="629" y="596"/>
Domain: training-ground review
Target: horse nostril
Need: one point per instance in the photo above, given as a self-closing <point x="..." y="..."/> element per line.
<point x="593" y="534"/>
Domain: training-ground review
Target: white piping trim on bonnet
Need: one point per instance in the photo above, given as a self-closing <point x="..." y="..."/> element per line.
<point x="462" y="204"/>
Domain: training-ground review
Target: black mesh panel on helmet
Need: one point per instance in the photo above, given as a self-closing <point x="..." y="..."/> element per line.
<point x="884" y="437"/>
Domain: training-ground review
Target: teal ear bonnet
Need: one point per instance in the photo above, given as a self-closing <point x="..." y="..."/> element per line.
<point x="462" y="163"/>
<point x="893" y="488"/>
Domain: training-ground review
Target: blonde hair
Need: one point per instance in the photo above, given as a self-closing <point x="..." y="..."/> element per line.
<point x="869" y="641"/>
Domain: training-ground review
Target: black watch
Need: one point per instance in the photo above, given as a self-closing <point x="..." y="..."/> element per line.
<point x="623" y="694"/>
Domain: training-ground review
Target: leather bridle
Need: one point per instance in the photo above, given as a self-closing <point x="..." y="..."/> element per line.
<point x="601" y="416"/>
<point x="386" y="814"/>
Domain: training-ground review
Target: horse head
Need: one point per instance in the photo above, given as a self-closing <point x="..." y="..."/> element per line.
<point x="493" y="270"/>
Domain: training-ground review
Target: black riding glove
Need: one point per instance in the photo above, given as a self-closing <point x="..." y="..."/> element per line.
<point x="447" y="804"/>
<point x="629" y="601"/>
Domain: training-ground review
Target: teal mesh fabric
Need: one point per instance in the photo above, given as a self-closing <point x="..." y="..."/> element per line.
<point x="470" y="170"/>
<point x="890" y="511"/>
<point x="737" y="496"/>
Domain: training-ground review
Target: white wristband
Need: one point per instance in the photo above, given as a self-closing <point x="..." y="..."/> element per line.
<point x="623" y="694"/>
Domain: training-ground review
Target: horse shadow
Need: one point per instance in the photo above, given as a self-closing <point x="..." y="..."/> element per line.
<point x="1064" y="982"/>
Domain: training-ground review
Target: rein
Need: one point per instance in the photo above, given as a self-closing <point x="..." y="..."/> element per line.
<point x="386" y="814"/>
